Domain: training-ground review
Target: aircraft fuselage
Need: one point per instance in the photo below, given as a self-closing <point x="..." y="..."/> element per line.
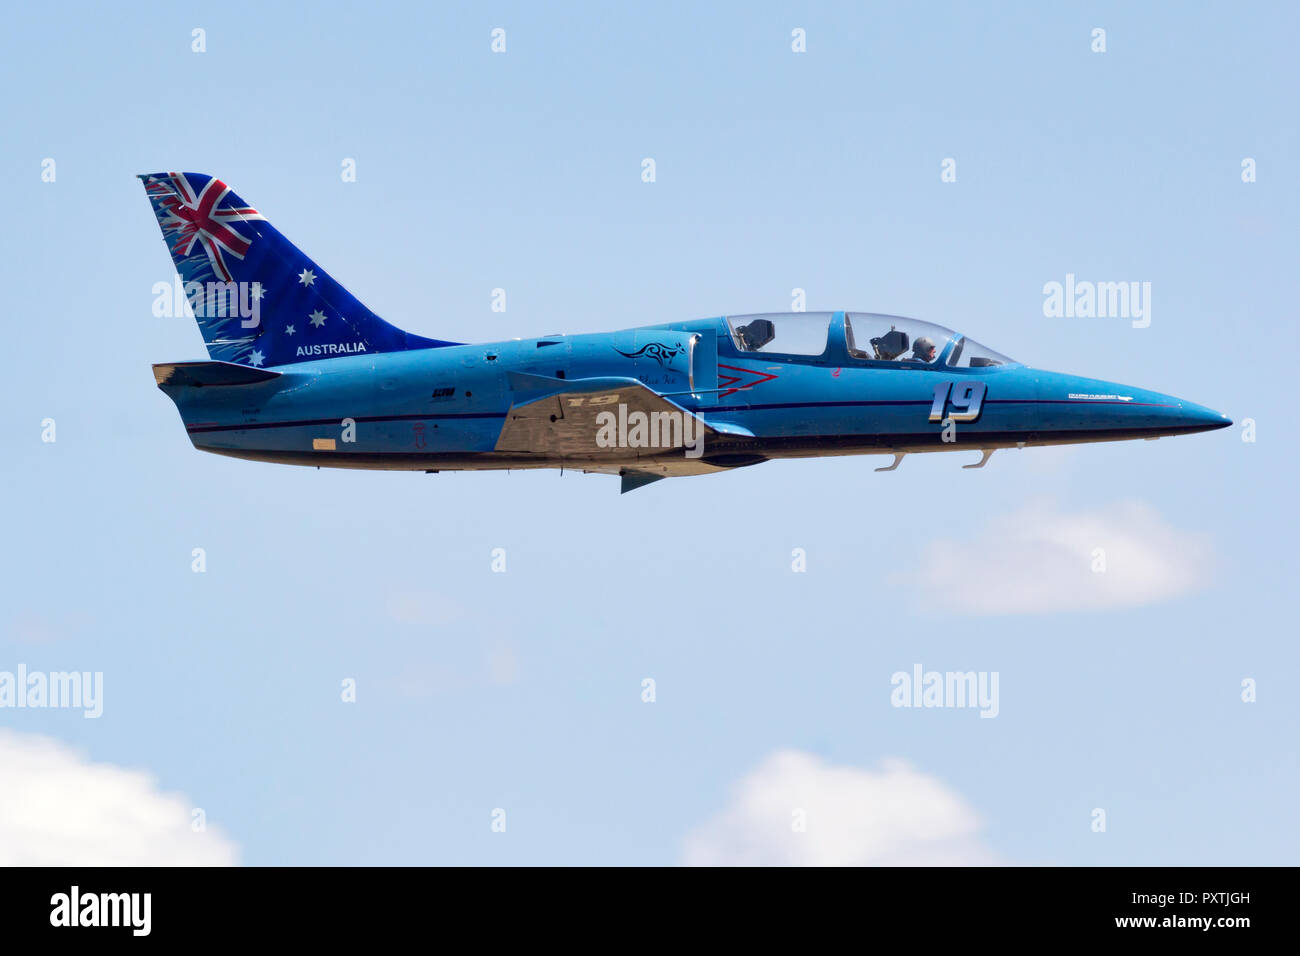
<point x="449" y="408"/>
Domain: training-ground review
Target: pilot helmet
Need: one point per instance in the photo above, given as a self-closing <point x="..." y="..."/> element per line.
<point x="922" y="346"/>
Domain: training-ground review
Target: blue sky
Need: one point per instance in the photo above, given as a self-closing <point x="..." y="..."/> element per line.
<point x="775" y="170"/>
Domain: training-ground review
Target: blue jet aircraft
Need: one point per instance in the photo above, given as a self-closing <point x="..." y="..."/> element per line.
<point x="302" y="373"/>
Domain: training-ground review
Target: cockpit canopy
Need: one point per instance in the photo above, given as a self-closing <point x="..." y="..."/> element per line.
<point x="781" y="333"/>
<point x="868" y="336"/>
<point x="893" y="338"/>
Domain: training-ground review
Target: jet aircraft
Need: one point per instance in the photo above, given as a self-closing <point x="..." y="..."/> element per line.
<point x="301" y="373"/>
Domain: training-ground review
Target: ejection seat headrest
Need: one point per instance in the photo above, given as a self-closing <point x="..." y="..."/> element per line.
<point x="890" y="345"/>
<point x="756" y="334"/>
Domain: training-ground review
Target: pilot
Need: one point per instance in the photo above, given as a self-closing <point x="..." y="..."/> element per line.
<point x="923" y="350"/>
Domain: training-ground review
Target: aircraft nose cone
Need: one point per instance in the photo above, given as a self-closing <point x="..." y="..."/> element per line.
<point x="1185" y="416"/>
<point x="1075" y="404"/>
<point x="1199" y="417"/>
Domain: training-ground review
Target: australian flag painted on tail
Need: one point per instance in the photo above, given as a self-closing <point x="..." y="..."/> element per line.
<point x="257" y="298"/>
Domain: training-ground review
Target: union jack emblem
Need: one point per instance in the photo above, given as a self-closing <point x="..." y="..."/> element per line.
<point x="187" y="219"/>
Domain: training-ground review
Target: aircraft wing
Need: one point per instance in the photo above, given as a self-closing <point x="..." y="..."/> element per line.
<point x="558" y="418"/>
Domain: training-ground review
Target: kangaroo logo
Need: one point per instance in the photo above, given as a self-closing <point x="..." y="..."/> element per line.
<point x="663" y="354"/>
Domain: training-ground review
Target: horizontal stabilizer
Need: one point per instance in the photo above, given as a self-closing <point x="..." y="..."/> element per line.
<point x="205" y="374"/>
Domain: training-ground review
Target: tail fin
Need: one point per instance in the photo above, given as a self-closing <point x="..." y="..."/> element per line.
<point x="257" y="298"/>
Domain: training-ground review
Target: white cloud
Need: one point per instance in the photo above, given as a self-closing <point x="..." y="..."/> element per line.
<point x="1038" y="560"/>
<point x="893" y="816"/>
<point x="59" y="809"/>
